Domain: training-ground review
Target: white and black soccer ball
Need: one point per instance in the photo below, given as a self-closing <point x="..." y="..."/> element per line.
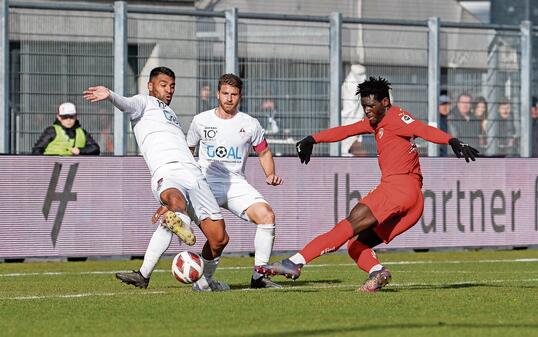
<point x="221" y="152"/>
<point x="187" y="267"/>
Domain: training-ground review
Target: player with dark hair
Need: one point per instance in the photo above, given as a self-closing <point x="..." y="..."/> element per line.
<point x="176" y="179"/>
<point x="391" y="208"/>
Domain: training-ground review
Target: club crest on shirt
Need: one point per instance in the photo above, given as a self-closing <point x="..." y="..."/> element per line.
<point x="242" y="132"/>
<point x="407" y="119"/>
<point x="380" y="133"/>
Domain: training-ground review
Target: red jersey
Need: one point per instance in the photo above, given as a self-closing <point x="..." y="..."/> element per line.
<point x="396" y="152"/>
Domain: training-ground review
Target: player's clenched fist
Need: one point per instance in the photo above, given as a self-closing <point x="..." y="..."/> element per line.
<point x="274" y="180"/>
<point x="304" y="149"/>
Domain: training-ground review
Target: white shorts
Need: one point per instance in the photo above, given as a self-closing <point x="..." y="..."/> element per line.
<point x="236" y="196"/>
<point x="191" y="182"/>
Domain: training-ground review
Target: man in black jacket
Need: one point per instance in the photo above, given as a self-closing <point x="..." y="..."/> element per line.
<point x="66" y="137"/>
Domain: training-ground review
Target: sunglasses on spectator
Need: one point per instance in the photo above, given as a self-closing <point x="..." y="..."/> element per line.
<point x="68" y="116"/>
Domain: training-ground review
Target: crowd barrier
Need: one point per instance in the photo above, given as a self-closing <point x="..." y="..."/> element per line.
<point x="101" y="206"/>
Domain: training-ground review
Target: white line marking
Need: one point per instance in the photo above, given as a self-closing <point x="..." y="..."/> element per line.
<point x="388" y="263"/>
<point x="40" y="297"/>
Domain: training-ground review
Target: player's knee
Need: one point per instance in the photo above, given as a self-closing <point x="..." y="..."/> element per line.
<point x="263" y="214"/>
<point x="369" y="238"/>
<point x="175" y="202"/>
<point x="361" y="218"/>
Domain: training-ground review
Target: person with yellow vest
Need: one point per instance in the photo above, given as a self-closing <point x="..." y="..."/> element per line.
<point x="66" y="137"/>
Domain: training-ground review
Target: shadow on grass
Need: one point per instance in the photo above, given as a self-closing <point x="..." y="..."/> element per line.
<point x="440" y="286"/>
<point x="386" y="327"/>
<point x="289" y="285"/>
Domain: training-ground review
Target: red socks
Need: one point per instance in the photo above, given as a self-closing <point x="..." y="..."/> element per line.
<point x="363" y="255"/>
<point x="328" y="242"/>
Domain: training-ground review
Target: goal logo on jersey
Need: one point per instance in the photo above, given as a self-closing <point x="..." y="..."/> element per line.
<point x="223" y="152"/>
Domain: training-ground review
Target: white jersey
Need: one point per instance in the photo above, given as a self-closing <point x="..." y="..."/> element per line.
<point x="157" y="130"/>
<point x="224" y="144"/>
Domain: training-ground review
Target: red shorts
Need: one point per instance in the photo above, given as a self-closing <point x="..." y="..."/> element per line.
<point x="397" y="203"/>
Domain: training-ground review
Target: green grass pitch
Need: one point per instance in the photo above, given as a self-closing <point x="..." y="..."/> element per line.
<point x="464" y="293"/>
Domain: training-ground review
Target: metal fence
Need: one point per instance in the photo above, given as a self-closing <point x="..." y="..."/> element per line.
<point x="300" y="72"/>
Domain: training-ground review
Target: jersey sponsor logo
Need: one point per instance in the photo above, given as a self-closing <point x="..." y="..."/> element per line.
<point x="171" y="117"/>
<point x="223" y="152"/>
<point x="210" y="133"/>
<point x="407" y="119"/>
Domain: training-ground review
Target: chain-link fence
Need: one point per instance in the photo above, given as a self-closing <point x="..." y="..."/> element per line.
<point x="286" y="66"/>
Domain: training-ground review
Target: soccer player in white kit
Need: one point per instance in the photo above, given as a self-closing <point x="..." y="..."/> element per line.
<point x="177" y="180"/>
<point x="224" y="137"/>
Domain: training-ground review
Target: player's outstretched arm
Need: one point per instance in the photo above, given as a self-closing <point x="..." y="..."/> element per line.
<point x="462" y="149"/>
<point x="96" y="94"/>
<point x="304" y="148"/>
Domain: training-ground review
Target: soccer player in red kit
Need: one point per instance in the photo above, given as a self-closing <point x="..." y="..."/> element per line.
<point x="391" y="208"/>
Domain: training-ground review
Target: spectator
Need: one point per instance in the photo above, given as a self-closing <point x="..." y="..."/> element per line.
<point x="480" y="112"/>
<point x="105" y="137"/>
<point x="462" y="124"/>
<point x="205" y="98"/>
<point x="66" y="137"/>
<point x="269" y="113"/>
<point x="444" y="109"/>
<point x="506" y="131"/>
<point x="534" y="116"/>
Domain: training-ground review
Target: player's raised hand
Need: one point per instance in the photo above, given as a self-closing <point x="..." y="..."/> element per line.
<point x="304" y="148"/>
<point x="462" y="149"/>
<point x="274" y="180"/>
<point x="96" y="94"/>
<point x="158" y="214"/>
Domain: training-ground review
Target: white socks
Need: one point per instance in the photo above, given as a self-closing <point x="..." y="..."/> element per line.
<point x="263" y="243"/>
<point x="298" y="259"/>
<point x="159" y="243"/>
<point x="209" y="269"/>
<point x="210" y="266"/>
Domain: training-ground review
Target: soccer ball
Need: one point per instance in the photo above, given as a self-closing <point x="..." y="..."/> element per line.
<point x="187" y="267"/>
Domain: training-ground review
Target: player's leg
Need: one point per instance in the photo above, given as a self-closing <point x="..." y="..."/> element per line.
<point x="360" y="249"/>
<point x="212" y="225"/>
<point x="261" y="214"/>
<point x="168" y="186"/>
<point x="177" y="220"/>
<point x="243" y="200"/>
<point x="408" y="195"/>
<point x="359" y="219"/>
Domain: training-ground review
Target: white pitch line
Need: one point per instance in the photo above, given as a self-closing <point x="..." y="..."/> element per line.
<point x="388" y="263"/>
<point x="40" y="297"/>
<point x="290" y="288"/>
